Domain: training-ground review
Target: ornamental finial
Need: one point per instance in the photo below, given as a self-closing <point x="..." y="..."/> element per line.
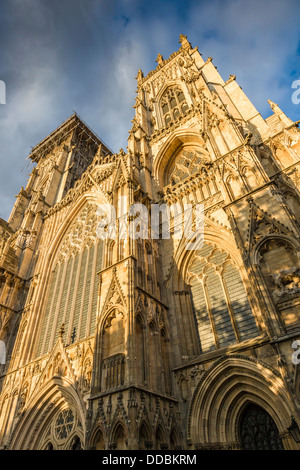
<point x="160" y="59"/>
<point x="184" y="42"/>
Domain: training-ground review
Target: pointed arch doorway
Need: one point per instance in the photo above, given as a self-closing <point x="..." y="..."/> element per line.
<point x="258" y="430"/>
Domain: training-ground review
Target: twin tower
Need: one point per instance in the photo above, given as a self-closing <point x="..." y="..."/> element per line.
<point x="140" y="343"/>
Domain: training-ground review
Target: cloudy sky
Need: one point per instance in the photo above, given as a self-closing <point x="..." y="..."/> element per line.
<point x="63" y="55"/>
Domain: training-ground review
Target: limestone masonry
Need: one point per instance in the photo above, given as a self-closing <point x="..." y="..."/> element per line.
<point x="143" y="344"/>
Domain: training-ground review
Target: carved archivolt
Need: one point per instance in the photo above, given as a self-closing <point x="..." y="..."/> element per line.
<point x="246" y="380"/>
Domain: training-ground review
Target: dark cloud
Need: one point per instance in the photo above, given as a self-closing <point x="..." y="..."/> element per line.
<point x="63" y="55"/>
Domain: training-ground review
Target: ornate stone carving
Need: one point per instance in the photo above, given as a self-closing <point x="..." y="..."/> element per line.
<point x="5" y="317"/>
<point x="188" y="163"/>
<point x="287" y="282"/>
<point x="115" y="296"/>
<point x="81" y="233"/>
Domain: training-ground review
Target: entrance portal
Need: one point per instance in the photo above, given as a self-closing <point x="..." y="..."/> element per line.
<point x="258" y="430"/>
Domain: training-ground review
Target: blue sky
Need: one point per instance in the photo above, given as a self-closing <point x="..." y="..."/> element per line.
<point x="58" y="56"/>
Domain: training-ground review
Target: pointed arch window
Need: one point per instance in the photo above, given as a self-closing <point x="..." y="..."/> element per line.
<point x="72" y="288"/>
<point x="220" y="303"/>
<point x="173" y="104"/>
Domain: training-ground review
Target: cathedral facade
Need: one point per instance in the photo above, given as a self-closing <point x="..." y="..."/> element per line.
<point x="138" y="342"/>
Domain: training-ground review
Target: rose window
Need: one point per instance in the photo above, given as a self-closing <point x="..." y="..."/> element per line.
<point x="64" y="424"/>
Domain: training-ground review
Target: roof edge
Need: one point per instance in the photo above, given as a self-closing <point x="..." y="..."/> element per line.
<point x="72" y="122"/>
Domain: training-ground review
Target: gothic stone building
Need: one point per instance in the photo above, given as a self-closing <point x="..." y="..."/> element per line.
<point x="140" y="343"/>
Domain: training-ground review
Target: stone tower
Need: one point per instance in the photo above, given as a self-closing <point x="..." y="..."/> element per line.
<point x="123" y="342"/>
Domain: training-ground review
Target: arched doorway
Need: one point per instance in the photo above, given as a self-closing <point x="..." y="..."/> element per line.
<point x="258" y="430"/>
<point x="246" y="382"/>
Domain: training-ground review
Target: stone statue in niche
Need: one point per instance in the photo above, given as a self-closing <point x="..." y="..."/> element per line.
<point x="235" y="189"/>
<point x="287" y="282"/>
<point x="59" y="366"/>
<point x="4" y="239"/>
<point x="87" y="374"/>
<point x="267" y="161"/>
<point x="22" y="402"/>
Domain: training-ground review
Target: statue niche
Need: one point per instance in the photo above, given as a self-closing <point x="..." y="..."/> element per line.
<point x="234" y="187"/>
<point x="113" y="349"/>
<point x="281" y="271"/>
<point x="280" y="266"/>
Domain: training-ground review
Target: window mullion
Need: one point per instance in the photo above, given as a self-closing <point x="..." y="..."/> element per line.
<point x="72" y="313"/>
<point x="231" y="313"/>
<point x="51" y="307"/>
<point x="83" y="300"/>
<point x="56" y="315"/>
<point x="210" y="314"/>
<point x="178" y="105"/>
<point x="170" y="109"/>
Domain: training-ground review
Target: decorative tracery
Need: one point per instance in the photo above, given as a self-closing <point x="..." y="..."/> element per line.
<point x="64" y="431"/>
<point x="188" y="162"/>
<point x="81" y="234"/>
<point x="72" y="290"/>
<point x="258" y="430"/>
<point x="64" y="424"/>
<point x="173" y="104"/>
<point x="221" y="306"/>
